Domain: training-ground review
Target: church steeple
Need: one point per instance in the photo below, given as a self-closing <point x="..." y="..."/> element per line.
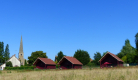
<point x="21" y="46"/>
<point x="21" y="54"/>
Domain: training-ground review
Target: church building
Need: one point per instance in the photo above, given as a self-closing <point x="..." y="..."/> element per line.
<point x="21" y="54"/>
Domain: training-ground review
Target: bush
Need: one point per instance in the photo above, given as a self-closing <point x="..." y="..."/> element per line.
<point x="19" y="68"/>
<point x="9" y="64"/>
<point x="57" y="66"/>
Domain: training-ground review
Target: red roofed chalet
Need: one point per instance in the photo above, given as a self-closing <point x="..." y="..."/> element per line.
<point x="44" y="63"/>
<point x="109" y="60"/>
<point x="70" y="62"/>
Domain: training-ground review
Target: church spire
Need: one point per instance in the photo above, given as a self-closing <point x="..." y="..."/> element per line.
<point x="21" y="46"/>
<point x="21" y="54"/>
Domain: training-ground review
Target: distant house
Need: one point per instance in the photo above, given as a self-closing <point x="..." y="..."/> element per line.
<point x="15" y="62"/>
<point x="70" y="63"/>
<point x="44" y="63"/>
<point x="109" y="60"/>
<point x="2" y="66"/>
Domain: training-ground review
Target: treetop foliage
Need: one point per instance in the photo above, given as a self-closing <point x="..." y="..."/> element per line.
<point x="35" y="55"/>
<point x="127" y="53"/>
<point x="60" y="56"/>
<point x="97" y="57"/>
<point x="82" y="56"/>
<point x="4" y="55"/>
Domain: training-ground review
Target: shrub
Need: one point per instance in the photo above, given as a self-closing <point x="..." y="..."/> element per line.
<point x="19" y="68"/>
<point x="91" y="64"/>
<point x="57" y="66"/>
<point x="9" y="64"/>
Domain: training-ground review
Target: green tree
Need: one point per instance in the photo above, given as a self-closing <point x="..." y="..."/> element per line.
<point x="124" y="58"/>
<point x="104" y="53"/>
<point x="26" y="63"/>
<point x="1" y="52"/>
<point x="7" y="53"/>
<point x="136" y="51"/>
<point x="127" y="51"/>
<point x="34" y="56"/>
<point x="82" y="56"/>
<point x="136" y="41"/>
<point x="97" y="57"/>
<point x="9" y="64"/>
<point x="60" y="56"/>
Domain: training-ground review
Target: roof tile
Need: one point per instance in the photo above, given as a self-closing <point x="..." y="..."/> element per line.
<point x="73" y="60"/>
<point x="112" y="55"/>
<point x="47" y="61"/>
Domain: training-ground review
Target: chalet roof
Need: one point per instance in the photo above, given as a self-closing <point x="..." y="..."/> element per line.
<point x="117" y="58"/>
<point x="71" y="59"/>
<point x="45" y="60"/>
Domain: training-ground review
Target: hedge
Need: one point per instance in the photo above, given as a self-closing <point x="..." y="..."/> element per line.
<point x="19" y="68"/>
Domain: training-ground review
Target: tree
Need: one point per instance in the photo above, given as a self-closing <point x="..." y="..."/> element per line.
<point x="97" y="57"/>
<point x="127" y="51"/>
<point x="26" y="63"/>
<point x="136" y="41"/>
<point x="104" y="53"/>
<point x="60" y="56"/>
<point x="124" y="58"/>
<point x="136" y="51"/>
<point x="9" y="64"/>
<point x="7" y="53"/>
<point x="82" y="56"/>
<point x="1" y="52"/>
<point x="35" y="55"/>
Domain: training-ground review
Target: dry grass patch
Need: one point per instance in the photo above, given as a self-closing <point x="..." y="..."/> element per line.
<point x="80" y="74"/>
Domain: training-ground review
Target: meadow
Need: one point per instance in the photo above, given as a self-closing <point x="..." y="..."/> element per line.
<point x="130" y="73"/>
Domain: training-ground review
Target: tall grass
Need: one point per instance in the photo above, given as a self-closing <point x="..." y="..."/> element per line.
<point x="77" y="74"/>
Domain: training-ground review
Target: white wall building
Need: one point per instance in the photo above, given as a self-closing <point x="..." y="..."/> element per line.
<point x="15" y="62"/>
<point x="2" y="66"/>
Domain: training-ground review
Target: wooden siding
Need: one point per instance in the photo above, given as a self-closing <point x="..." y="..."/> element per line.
<point x="50" y="67"/>
<point x="108" y="58"/>
<point x="41" y="65"/>
<point x="77" y="66"/>
<point x="68" y="65"/>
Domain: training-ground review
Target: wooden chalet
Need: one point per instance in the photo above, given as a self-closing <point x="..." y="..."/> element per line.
<point x="70" y="63"/>
<point x="44" y="63"/>
<point x="110" y="60"/>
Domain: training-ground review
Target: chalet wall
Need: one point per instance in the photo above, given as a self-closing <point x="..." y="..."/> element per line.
<point x="41" y="65"/>
<point x="66" y="64"/>
<point x="110" y="59"/>
<point x="50" y="67"/>
<point x="77" y="66"/>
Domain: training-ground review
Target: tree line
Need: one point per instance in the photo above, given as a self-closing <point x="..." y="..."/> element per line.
<point x="128" y="54"/>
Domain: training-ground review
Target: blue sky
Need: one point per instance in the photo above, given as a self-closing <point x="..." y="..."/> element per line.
<point x="67" y="25"/>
